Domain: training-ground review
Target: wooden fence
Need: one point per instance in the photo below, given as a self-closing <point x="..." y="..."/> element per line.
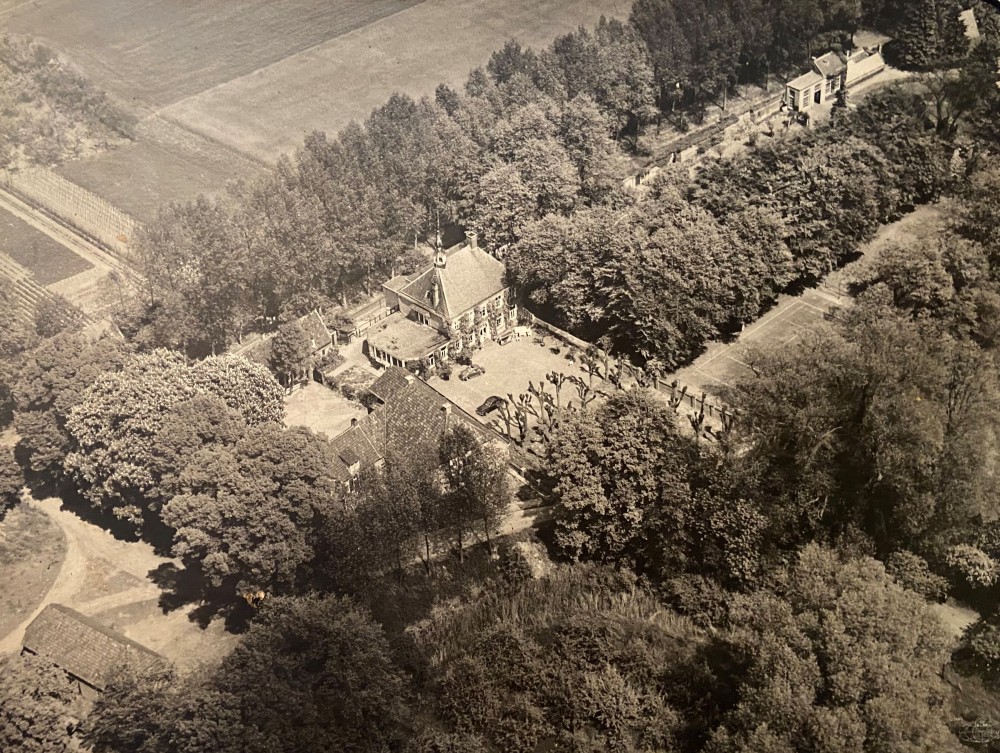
<point x="74" y="206"/>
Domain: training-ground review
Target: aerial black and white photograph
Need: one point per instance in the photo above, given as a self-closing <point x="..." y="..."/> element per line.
<point x="499" y="376"/>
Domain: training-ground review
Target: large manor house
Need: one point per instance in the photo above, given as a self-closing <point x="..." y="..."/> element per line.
<point x="461" y="298"/>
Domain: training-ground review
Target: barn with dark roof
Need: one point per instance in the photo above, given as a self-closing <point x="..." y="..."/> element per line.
<point x="83" y="648"/>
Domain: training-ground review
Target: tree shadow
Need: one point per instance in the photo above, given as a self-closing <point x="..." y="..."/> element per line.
<point x="74" y="502"/>
<point x="182" y="587"/>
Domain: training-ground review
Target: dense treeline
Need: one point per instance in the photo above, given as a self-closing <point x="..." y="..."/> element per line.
<point x="530" y="135"/>
<point x="194" y="458"/>
<point x="530" y="155"/>
<point x="534" y="134"/>
<point x="688" y="262"/>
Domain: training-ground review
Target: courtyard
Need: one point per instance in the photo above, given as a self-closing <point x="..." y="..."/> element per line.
<point x="321" y="409"/>
<point x="508" y="370"/>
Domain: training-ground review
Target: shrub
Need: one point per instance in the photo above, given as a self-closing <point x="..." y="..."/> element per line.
<point x="444" y="370"/>
<point x="463" y="358"/>
<point x="911" y="571"/>
<point x="974" y="566"/>
<point x="983" y="642"/>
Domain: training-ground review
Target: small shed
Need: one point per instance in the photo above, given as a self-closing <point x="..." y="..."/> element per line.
<point x="83" y="648"/>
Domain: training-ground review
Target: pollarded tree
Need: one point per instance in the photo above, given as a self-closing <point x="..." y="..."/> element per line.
<point x="39" y="707"/>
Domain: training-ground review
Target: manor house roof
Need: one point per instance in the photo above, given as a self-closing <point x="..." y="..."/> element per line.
<point x="468" y="277"/>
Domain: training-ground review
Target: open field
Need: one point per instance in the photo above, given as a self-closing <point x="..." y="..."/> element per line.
<point x="32" y="549"/>
<point x="253" y="77"/>
<point x="325" y="87"/>
<point x="141" y="177"/>
<point x="154" y="52"/>
<point x="48" y="260"/>
<point x="723" y="363"/>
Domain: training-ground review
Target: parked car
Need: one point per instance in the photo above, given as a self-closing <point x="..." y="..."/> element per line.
<point x="492" y="403"/>
<point x="471" y="373"/>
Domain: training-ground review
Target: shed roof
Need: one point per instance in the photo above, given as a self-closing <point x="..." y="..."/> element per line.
<point x="83" y="647"/>
<point x="362" y="445"/>
<point x="830" y="64"/>
<point x="805" y="80"/>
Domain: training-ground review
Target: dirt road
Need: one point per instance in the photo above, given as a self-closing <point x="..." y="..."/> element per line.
<point x="108" y="579"/>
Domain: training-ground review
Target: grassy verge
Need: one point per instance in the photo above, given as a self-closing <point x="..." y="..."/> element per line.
<point x="32" y="549"/>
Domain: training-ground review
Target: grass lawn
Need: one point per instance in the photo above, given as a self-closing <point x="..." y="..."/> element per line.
<point x="48" y="260"/>
<point x="158" y="51"/>
<point x="321" y="409"/>
<point x="32" y="549"/>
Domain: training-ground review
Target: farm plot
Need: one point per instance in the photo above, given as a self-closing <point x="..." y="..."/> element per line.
<point x="149" y="173"/>
<point x="48" y="260"/>
<point x="327" y="86"/>
<point x="154" y="52"/>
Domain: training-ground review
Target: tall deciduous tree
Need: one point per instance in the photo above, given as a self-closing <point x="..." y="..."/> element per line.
<point x="114" y="426"/>
<point x="39" y="707"/>
<point x="251" y="517"/>
<point x="606" y="468"/>
<point x="11" y="481"/>
<point x="837" y="654"/>
<point x="478" y="493"/>
<point x="312" y="673"/>
<point x="54" y="378"/>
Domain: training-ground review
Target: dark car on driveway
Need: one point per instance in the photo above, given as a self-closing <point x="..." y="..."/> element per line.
<point x="471" y="373"/>
<point x="494" y="402"/>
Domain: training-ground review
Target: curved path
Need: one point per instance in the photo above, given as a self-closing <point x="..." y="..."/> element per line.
<point x="109" y="579"/>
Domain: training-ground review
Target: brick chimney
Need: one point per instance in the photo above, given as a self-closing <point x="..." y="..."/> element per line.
<point x="472" y="238"/>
